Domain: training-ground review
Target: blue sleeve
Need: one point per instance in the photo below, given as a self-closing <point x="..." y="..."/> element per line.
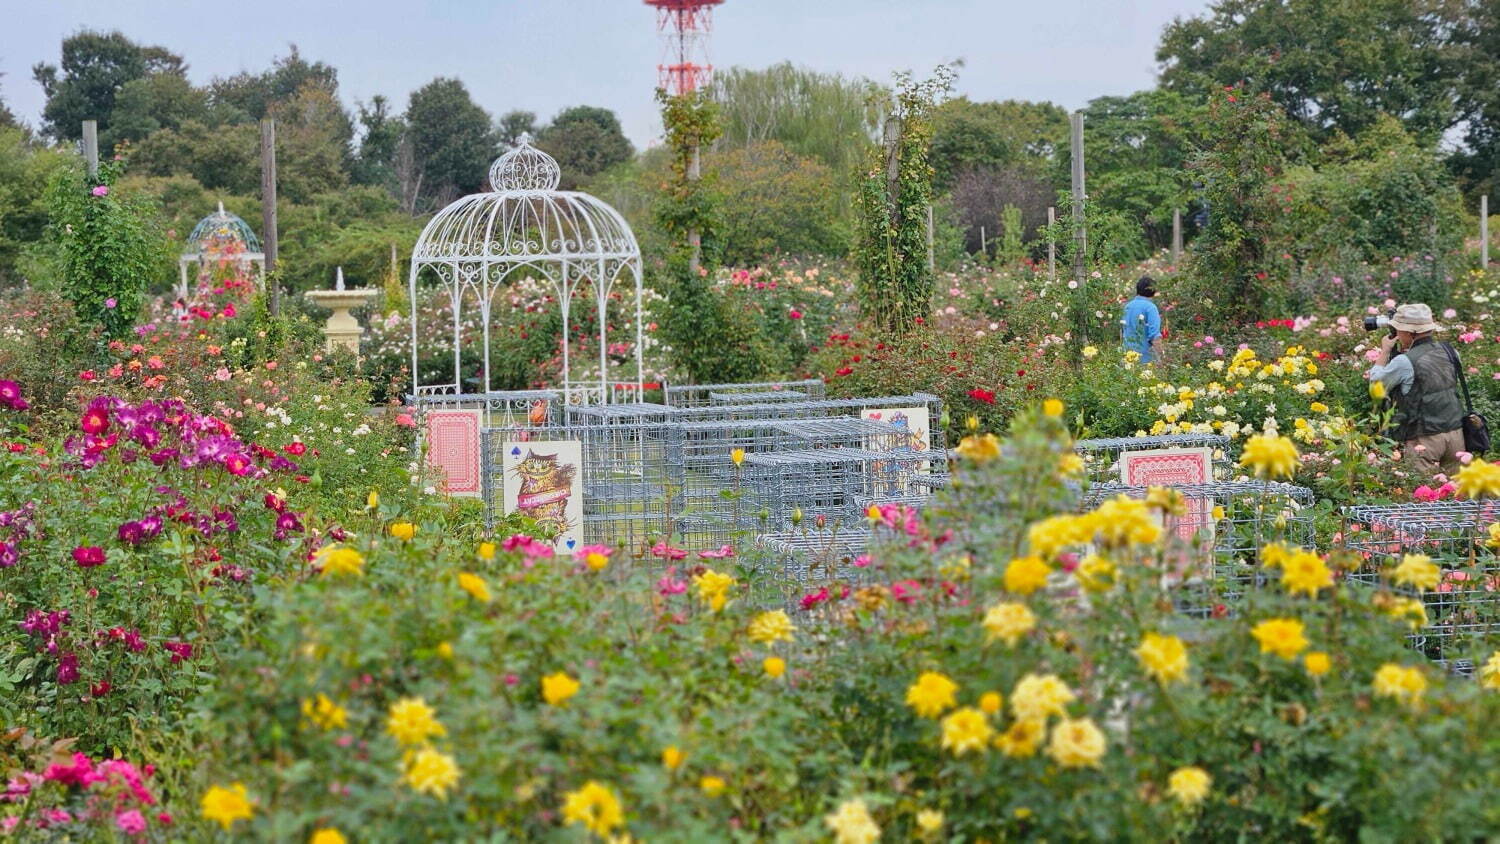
<point x="1153" y="323"/>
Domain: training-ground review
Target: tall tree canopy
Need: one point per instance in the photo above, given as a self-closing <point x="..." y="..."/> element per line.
<point x="96" y="67"/>
<point x="966" y="135"/>
<point x="585" y="140"/>
<point x="451" y="142"/>
<point x="1330" y="64"/>
<point x="819" y="115"/>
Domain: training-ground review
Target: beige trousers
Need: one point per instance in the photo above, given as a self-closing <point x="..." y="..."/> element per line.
<point x="1431" y="453"/>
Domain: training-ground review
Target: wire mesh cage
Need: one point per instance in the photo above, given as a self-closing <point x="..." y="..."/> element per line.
<point x="1463" y="610"/>
<point x="1102" y="458"/>
<point x="797" y="563"/>
<point x="700" y="395"/>
<point x="502" y="409"/>
<point x="1213" y="546"/>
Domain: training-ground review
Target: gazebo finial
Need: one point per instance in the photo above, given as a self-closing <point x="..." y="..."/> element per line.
<point x="525" y="168"/>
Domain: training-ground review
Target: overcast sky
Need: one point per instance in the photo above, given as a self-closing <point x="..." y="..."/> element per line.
<point x="545" y="55"/>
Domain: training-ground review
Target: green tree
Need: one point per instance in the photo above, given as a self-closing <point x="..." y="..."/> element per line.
<point x="585" y="140"/>
<point x="26" y="169"/>
<point x="1246" y="152"/>
<point x="311" y="145"/>
<point x="379" y="143"/>
<point x="1478" y="46"/>
<point x="221" y="158"/>
<point x="1137" y="149"/>
<point x="774" y="201"/>
<point x="152" y="102"/>
<point x="253" y="95"/>
<point x="451" y="141"/>
<point x="1012" y="248"/>
<point x="111" y="244"/>
<point x="1330" y="64"/>
<point x="819" y="115"/>
<point x="966" y="134"/>
<point x="514" y="124"/>
<point x="895" y="197"/>
<point x="95" y="67"/>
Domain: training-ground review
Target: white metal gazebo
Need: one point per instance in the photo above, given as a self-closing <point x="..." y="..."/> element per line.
<point x="524" y="227"/>
<point x="219" y="235"/>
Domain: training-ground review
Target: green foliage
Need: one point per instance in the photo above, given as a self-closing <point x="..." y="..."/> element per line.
<point x="894" y="201"/>
<point x="1378" y="196"/>
<point x="1137" y="150"/>
<point x="452" y="143"/>
<point x="709" y="340"/>
<point x="996" y="135"/>
<point x="1248" y="147"/>
<point x="818" y="115"/>
<point x="26" y="168"/>
<point x="774" y="201"/>
<point x="585" y="140"/>
<point x="1011" y="248"/>
<point x="112" y="245"/>
<point x="96" y="70"/>
<point x="1329" y="64"/>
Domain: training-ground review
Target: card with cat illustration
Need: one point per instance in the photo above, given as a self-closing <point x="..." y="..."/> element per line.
<point x="544" y="481"/>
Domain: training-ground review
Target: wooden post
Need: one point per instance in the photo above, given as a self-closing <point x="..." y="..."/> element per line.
<point x="1051" y="244"/>
<point x="1080" y="226"/>
<point x="1484" y="232"/>
<point x="931" y="256"/>
<point x="268" y="206"/>
<point x="1176" y="236"/>
<point x="695" y="237"/>
<point x="983" y="246"/>
<point x="91" y="146"/>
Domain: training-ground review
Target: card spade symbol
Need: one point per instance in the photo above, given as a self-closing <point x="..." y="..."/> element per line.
<point x="515" y="451"/>
<point x="571" y="543"/>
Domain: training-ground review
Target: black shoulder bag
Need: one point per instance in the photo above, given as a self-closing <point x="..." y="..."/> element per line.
<point x="1476" y="427"/>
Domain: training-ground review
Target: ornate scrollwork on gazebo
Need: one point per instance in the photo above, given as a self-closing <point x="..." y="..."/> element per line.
<point x="524" y="224"/>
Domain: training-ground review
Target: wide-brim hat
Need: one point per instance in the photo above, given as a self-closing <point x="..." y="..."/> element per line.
<point x="1415" y="318"/>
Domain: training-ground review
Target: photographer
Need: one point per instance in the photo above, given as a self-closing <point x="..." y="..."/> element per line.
<point x="1422" y="381"/>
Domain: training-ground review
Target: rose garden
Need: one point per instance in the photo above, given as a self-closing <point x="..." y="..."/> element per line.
<point x="626" y="512"/>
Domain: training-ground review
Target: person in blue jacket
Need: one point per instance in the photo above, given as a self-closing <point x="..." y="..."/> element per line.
<point x="1141" y="328"/>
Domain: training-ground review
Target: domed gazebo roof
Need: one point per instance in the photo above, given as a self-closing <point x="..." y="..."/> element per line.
<point x="220" y="228"/>
<point x="524" y="226"/>
<point x="525" y="216"/>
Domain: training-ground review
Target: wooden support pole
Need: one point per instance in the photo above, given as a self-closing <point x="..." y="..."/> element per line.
<point x="91" y="146"/>
<point x="1080" y="226"/>
<point x="268" y="207"/>
<point x="1176" y="236"/>
<point x="983" y="246"/>
<point x="1484" y="232"/>
<point x="695" y="237"/>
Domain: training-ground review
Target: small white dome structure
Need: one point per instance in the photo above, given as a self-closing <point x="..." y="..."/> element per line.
<point x="219" y="236"/>
<point x="524" y="226"/>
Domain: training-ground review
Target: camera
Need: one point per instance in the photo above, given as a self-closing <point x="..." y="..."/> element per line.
<point x="1379" y="321"/>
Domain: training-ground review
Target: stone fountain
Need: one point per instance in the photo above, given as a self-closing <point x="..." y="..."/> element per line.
<point x="342" y="329"/>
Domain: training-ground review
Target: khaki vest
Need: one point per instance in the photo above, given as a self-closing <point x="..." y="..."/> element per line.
<point x="1431" y="405"/>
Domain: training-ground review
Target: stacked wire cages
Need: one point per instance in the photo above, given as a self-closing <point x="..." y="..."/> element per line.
<point x="1213" y="547"/>
<point x="701" y="395"/>
<point x="649" y="472"/>
<point x="1463" y="611"/>
<point x="1101" y="457"/>
<point x="627" y="484"/>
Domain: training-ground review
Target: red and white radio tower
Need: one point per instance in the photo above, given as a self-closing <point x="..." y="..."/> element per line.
<point x="684" y="26"/>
